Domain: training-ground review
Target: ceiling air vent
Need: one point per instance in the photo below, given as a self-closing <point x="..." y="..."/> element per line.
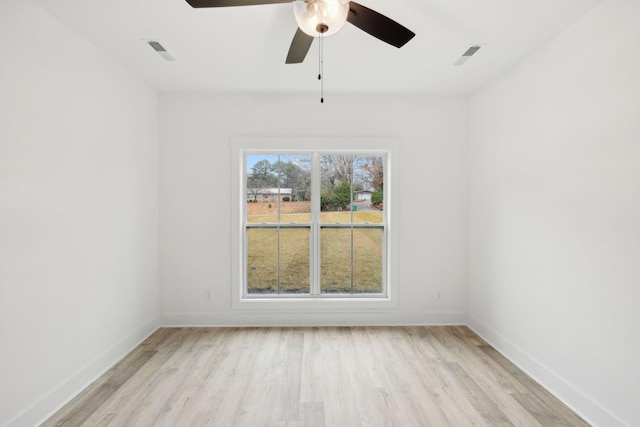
<point x="468" y="54"/>
<point x="161" y="50"/>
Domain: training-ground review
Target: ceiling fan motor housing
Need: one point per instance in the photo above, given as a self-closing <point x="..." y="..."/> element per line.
<point x="325" y="17"/>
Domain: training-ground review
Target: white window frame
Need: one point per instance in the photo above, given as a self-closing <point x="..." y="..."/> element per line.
<point x="348" y="145"/>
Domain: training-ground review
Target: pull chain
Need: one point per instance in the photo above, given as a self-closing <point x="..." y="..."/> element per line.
<point x="321" y="66"/>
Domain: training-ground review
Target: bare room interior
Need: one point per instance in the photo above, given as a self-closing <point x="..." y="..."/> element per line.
<point x="510" y="227"/>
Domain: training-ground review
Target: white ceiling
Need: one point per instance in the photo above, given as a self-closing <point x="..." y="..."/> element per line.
<point x="243" y="49"/>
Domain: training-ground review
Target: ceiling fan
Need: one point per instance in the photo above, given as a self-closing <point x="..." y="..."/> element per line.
<point x="319" y="18"/>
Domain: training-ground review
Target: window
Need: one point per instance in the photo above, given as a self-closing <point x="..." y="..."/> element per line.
<point x="306" y="232"/>
<point x="313" y="225"/>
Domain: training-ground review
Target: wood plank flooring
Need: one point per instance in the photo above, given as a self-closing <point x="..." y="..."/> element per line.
<point x="308" y="377"/>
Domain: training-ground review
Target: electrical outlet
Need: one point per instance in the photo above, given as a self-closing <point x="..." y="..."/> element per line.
<point x="207" y="295"/>
<point x="438" y="294"/>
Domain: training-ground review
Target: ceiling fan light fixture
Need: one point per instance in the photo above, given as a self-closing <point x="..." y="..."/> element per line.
<point x="316" y="17"/>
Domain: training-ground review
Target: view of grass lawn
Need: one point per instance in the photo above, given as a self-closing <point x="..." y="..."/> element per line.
<point x="335" y="252"/>
<point x="335" y="256"/>
<point x="262" y="260"/>
<point x="300" y="212"/>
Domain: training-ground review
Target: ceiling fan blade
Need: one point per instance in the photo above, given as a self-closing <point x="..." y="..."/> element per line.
<point x="228" y="3"/>
<point x="378" y="25"/>
<point x="299" y="47"/>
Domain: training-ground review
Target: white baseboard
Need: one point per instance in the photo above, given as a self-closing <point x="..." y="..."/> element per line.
<point x="51" y="402"/>
<point x="574" y="398"/>
<point x="254" y="319"/>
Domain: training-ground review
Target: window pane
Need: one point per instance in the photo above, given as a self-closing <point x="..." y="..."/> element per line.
<point x="352" y="189"/>
<point x="294" y="260"/>
<point x="262" y="260"/>
<point x="336" y="172"/>
<point x="262" y="190"/>
<point x="294" y="172"/>
<point x="367" y="260"/>
<point x="278" y="260"/>
<point x="278" y="188"/>
<point x="367" y="189"/>
<point x="335" y="260"/>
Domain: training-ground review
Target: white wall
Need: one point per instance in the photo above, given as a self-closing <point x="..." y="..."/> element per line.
<point x="78" y="213"/>
<point x="555" y="214"/>
<point x="553" y="210"/>
<point x="195" y="199"/>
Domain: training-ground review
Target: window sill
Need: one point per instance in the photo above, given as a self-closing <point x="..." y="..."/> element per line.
<point x="314" y="304"/>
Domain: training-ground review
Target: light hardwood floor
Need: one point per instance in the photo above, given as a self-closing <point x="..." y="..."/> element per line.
<point x="307" y="377"/>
